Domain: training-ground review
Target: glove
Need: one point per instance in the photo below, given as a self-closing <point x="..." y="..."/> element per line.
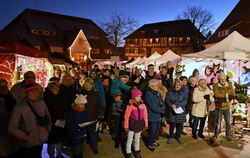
<point x="207" y="96"/>
<point x="231" y="97"/>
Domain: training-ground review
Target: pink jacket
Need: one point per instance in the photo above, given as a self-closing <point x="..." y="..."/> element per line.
<point x="129" y="111"/>
<point x="31" y="133"/>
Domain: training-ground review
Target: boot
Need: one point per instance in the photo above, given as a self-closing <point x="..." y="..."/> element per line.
<point x="128" y="155"/>
<point x="137" y="154"/>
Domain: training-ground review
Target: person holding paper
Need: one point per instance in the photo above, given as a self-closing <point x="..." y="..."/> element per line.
<point x="202" y="97"/>
<point x="176" y="111"/>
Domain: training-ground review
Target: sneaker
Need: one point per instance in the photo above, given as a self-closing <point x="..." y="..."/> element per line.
<point x="170" y="141"/>
<point x="156" y="144"/>
<point x="194" y="136"/>
<point x="128" y="155"/>
<point x="137" y="154"/>
<point x="229" y="138"/>
<point x="180" y="140"/>
<point x="151" y="148"/>
<point x="95" y="151"/>
<point x="60" y="156"/>
<point x="201" y="136"/>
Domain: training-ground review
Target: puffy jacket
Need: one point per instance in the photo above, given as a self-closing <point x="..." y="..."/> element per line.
<point x="100" y="89"/>
<point x="179" y="99"/>
<point x="131" y="110"/>
<point x="200" y="103"/>
<point x="23" y="124"/>
<point x="117" y="86"/>
<point x="154" y="106"/>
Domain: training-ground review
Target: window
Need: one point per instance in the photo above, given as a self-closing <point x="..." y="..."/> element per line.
<point x="34" y="31"/>
<point x="156" y="31"/>
<point x="188" y="39"/>
<point x="150" y="40"/>
<point x="156" y="40"/>
<point x="180" y="39"/>
<point x="95" y="51"/>
<point x="170" y="40"/>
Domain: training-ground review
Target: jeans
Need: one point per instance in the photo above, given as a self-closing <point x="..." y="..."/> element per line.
<point x="179" y="128"/>
<point x="202" y="121"/>
<point x="218" y="117"/>
<point x="153" y="127"/>
<point x="77" y="151"/>
<point x="53" y="147"/>
<point x="132" y="136"/>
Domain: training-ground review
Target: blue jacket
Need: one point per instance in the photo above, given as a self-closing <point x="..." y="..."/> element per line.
<point x="100" y="89"/>
<point x="154" y="106"/>
<point x="73" y="119"/>
<point x="180" y="100"/>
<point x="117" y="86"/>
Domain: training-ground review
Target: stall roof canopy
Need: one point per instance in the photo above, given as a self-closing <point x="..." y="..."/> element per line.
<point x="8" y="45"/>
<point x="134" y="62"/>
<point x="234" y="47"/>
<point x="168" y="56"/>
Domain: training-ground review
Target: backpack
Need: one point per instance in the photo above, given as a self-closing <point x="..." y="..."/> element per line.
<point x="136" y="124"/>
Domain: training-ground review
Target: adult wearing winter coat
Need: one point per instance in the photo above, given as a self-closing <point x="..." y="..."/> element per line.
<point x="18" y="90"/>
<point x="176" y="99"/>
<point x="6" y="106"/>
<point x="202" y="97"/>
<point x="26" y="126"/>
<point x="57" y="105"/>
<point x="92" y="110"/>
<point x="223" y="94"/>
<point x="156" y="109"/>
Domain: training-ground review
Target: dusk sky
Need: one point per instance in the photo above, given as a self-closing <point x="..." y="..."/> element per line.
<point x="145" y="11"/>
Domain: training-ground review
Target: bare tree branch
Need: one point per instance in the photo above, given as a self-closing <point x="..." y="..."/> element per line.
<point x="201" y="18"/>
<point x="118" y="27"/>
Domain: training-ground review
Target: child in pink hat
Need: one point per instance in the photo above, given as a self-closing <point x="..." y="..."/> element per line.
<point x="135" y="120"/>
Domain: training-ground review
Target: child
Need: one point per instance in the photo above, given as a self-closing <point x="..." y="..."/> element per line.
<point x="135" y="120"/>
<point x="76" y="122"/>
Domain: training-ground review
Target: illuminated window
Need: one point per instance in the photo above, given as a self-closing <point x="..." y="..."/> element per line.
<point x="150" y="40"/>
<point x="188" y="39"/>
<point x="156" y="40"/>
<point x="95" y="51"/>
<point x="181" y="39"/>
<point x="170" y="40"/>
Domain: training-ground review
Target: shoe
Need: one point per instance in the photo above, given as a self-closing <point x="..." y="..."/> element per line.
<point x="60" y="156"/>
<point x="201" y="136"/>
<point x="170" y="141"/>
<point x="156" y="144"/>
<point x="179" y="140"/>
<point x="151" y="148"/>
<point x="184" y="133"/>
<point x="229" y="138"/>
<point x="95" y="151"/>
<point x="194" y="136"/>
<point x="117" y="145"/>
<point x="137" y="154"/>
<point x="129" y="155"/>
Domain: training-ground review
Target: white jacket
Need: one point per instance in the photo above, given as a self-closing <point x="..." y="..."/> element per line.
<point x="200" y="104"/>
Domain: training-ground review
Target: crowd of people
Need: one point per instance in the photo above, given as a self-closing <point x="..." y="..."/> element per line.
<point x="76" y="107"/>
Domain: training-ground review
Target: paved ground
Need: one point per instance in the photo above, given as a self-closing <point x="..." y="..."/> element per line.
<point x="190" y="149"/>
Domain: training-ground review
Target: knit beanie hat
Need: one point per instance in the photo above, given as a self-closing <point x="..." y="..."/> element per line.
<point x="81" y="99"/>
<point x="135" y="93"/>
<point x="122" y="74"/>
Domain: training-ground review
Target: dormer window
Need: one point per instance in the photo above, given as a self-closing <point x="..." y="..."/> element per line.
<point x="156" y="31"/>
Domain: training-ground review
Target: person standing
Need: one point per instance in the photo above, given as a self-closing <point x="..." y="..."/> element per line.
<point x="18" y="90"/>
<point x="202" y="98"/>
<point x="191" y="86"/>
<point x="155" y="110"/>
<point x="30" y="123"/>
<point x="176" y="104"/>
<point x="93" y="111"/>
<point x="223" y="94"/>
<point x="6" y="106"/>
<point x="57" y="105"/>
<point x="135" y="120"/>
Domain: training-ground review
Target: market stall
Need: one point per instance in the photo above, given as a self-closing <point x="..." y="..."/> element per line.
<point x="16" y="59"/>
